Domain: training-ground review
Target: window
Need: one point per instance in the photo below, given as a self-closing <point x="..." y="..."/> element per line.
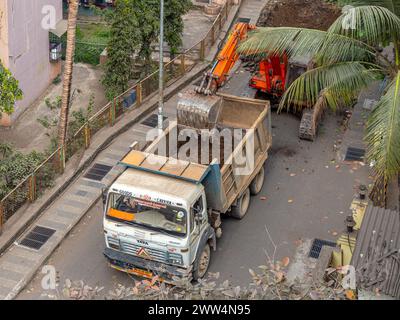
<point x="150" y="214"/>
<point x="197" y="208"/>
<point x="55" y="51"/>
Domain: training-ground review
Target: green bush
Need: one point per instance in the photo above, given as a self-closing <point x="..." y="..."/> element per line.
<point x="88" y="52"/>
<point x="91" y="40"/>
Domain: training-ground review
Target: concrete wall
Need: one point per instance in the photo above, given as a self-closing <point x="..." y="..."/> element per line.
<point x="3" y="32"/>
<point x="24" y="48"/>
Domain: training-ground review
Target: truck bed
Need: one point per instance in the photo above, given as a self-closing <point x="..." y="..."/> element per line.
<point x="221" y="183"/>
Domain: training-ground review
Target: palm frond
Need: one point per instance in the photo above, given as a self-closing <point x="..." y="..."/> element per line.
<point x="383" y="132"/>
<point x="328" y="47"/>
<point x="339" y="83"/>
<point x="372" y="24"/>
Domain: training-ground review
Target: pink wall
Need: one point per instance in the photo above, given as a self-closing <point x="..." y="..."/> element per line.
<point x="28" y="47"/>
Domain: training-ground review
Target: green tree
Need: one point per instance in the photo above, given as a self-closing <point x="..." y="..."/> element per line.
<point x="124" y="40"/>
<point x="149" y="19"/>
<point x="348" y="59"/>
<point x="174" y="10"/>
<point x="135" y="26"/>
<point x="9" y="90"/>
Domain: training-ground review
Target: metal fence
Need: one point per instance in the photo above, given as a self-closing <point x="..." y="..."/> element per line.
<point x="86" y="52"/>
<point x="43" y="176"/>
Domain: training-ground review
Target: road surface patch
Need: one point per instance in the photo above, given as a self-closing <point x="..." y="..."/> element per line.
<point x="81" y="193"/>
<point x="66" y="214"/>
<point x="10" y="274"/>
<point x="54" y="224"/>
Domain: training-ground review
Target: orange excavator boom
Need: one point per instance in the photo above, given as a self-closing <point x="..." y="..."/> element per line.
<point x="218" y="74"/>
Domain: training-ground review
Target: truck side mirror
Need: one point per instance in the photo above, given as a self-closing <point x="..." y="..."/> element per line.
<point x="198" y="216"/>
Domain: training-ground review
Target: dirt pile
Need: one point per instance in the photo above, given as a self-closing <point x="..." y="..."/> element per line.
<point x="314" y="14"/>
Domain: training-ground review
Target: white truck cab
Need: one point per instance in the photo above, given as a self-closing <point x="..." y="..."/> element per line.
<point x="157" y="225"/>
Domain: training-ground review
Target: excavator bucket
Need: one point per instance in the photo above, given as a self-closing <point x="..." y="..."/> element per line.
<point x="198" y="111"/>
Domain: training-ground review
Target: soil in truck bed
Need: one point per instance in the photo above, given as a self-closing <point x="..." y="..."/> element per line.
<point x="314" y="14"/>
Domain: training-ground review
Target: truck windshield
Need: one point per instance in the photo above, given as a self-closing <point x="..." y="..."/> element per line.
<point x="154" y="215"/>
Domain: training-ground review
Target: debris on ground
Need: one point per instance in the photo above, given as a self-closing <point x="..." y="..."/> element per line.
<point x="78" y="290"/>
<point x="313" y="14"/>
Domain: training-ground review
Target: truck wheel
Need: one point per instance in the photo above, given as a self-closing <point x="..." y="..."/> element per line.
<point x="240" y="210"/>
<point x="257" y="183"/>
<point x="202" y="263"/>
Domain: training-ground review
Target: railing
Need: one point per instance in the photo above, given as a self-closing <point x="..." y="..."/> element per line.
<point x="31" y="187"/>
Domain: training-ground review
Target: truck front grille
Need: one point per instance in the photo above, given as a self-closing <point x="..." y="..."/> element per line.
<point x="134" y="249"/>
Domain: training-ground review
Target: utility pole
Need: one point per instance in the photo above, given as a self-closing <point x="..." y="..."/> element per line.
<point x="161" y="75"/>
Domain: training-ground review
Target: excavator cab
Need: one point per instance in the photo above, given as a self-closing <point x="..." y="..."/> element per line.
<point x="271" y="76"/>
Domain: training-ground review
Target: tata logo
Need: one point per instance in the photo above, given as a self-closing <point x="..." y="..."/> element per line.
<point x="143" y="253"/>
<point x="143" y="242"/>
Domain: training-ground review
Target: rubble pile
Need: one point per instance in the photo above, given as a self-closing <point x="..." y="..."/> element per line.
<point x="314" y="14"/>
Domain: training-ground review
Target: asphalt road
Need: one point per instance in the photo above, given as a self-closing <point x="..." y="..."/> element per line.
<point x="307" y="195"/>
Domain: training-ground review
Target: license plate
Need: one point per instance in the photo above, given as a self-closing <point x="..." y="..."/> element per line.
<point x="141" y="273"/>
<point x="135" y="271"/>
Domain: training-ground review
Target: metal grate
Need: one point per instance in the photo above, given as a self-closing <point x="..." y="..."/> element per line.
<point x="152" y="121"/>
<point x="98" y="172"/>
<point x="37" y="237"/>
<point x="317" y="247"/>
<point x="354" y="154"/>
<point x="244" y="20"/>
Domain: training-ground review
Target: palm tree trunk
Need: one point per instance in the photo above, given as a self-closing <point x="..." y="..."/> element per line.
<point x="67" y="78"/>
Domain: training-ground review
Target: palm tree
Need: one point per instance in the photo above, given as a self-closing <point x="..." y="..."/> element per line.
<point x="67" y="78"/>
<point x="348" y="58"/>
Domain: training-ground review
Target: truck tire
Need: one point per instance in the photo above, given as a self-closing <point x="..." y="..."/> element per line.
<point x="257" y="183"/>
<point x="243" y="203"/>
<point x="202" y="263"/>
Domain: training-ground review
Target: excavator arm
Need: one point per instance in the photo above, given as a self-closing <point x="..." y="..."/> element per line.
<point x="218" y="74"/>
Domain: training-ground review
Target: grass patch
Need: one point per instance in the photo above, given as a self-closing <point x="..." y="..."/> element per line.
<point x="93" y="33"/>
<point x="91" y="40"/>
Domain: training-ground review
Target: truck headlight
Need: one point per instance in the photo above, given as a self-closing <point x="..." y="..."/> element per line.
<point x="113" y="243"/>
<point x="175" y="258"/>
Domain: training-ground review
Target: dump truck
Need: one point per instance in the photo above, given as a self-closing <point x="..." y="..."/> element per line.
<point x="162" y="215"/>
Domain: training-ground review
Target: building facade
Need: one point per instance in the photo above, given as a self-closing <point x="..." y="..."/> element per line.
<point x="27" y="47"/>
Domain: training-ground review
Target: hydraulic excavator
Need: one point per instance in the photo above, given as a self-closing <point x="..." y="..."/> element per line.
<point x="272" y="71"/>
<point x="274" y="75"/>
